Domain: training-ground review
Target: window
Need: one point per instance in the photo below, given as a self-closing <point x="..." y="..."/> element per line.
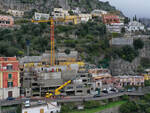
<point x="9" y="76"/>
<point x="10" y="84"/>
<point x="9" y="67"/>
<point x="7" y="22"/>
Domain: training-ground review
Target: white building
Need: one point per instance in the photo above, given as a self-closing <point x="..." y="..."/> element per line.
<point x="42" y="108"/>
<point x="98" y="12"/>
<point x="16" y="13"/>
<point x="135" y="26"/>
<point x="148" y="28"/>
<point x="85" y="17"/>
<point x="5" y="92"/>
<point x="59" y="13"/>
<point x="76" y="11"/>
<point x="115" y="27"/>
<point x="41" y="16"/>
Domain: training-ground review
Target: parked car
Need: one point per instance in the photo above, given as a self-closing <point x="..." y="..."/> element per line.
<point x="104" y="91"/>
<point x="10" y="98"/>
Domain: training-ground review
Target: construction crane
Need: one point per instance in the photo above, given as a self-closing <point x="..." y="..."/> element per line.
<point x="57" y="92"/>
<point x="52" y="21"/>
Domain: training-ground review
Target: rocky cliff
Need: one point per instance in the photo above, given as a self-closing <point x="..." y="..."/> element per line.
<point x="47" y="5"/>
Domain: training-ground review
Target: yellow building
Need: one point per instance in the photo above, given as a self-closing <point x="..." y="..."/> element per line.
<point x="147" y="74"/>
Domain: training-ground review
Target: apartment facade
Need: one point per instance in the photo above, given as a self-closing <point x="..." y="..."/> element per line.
<point x="122" y="81"/>
<point x="85" y="17"/>
<point x="98" y="13"/>
<point x="6" y="21"/>
<point x="59" y="13"/>
<point x="121" y="41"/>
<point x="115" y="27"/>
<point x="16" y="13"/>
<point x="135" y="26"/>
<point x="9" y="77"/>
<point x="41" y="16"/>
<point x="110" y="19"/>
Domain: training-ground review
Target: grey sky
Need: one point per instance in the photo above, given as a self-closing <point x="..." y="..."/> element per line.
<point x="131" y="7"/>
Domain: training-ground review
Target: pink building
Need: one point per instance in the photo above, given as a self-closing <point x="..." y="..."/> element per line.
<point x="110" y="19"/>
<point x="121" y="81"/>
<point x="6" y="21"/>
<point x="9" y="77"/>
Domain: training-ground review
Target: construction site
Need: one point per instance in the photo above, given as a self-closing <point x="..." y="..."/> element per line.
<point x="38" y="77"/>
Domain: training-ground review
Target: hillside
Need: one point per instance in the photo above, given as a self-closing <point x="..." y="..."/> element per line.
<point x="48" y="5"/>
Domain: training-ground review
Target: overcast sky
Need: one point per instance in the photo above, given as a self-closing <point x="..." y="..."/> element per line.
<point x="131" y="7"/>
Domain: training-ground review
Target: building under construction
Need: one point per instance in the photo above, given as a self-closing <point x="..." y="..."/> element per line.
<point x="38" y="77"/>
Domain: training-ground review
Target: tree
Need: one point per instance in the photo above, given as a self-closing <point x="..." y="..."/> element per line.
<point x="140" y="69"/>
<point x="148" y="110"/>
<point x="67" y="51"/>
<point x="135" y="18"/>
<point x="131" y="107"/>
<point x="126" y="20"/>
<point x="71" y="12"/>
<point x="145" y="62"/>
<point x="138" y="44"/>
<point x="127" y="53"/>
<point x="147" y="82"/>
<point x="123" y="30"/>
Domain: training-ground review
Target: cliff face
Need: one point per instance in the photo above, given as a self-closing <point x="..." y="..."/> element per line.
<point x="47" y="5"/>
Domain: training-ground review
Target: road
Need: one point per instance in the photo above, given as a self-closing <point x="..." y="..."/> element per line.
<point x="77" y="98"/>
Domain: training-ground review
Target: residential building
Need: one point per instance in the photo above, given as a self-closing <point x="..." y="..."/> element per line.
<point x="76" y="11"/>
<point x="121" y="81"/>
<point x="98" y="13"/>
<point x="121" y="41"/>
<point x="99" y="72"/>
<point x="9" y="77"/>
<point x="16" y="13"/>
<point x="60" y="13"/>
<point x="42" y="107"/>
<point x="110" y="19"/>
<point x="85" y="17"/>
<point x="101" y="78"/>
<point x="72" y="19"/>
<point x="115" y="27"/>
<point x="135" y="26"/>
<point x="41" y="16"/>
<point x="148" y="28"/>
<point x="146" y="74"/>
<point x="6" y="21"/>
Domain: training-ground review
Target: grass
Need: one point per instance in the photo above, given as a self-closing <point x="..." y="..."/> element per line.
<point x="93" y="110"/>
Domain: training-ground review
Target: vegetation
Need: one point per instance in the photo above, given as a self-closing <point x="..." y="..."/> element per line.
<point x="147" y="82"/>
<point x="127" y="53"/>
<point x="138" y="106"/>
<point x="91" y="5"/>
<point x="138" y="44"/>
<point x="145" y="62"/>
<point x="94" y="109"/>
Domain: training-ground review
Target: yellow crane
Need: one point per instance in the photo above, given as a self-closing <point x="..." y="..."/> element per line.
<point x="52" y="21"/>
<point x="57" y="92"/>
